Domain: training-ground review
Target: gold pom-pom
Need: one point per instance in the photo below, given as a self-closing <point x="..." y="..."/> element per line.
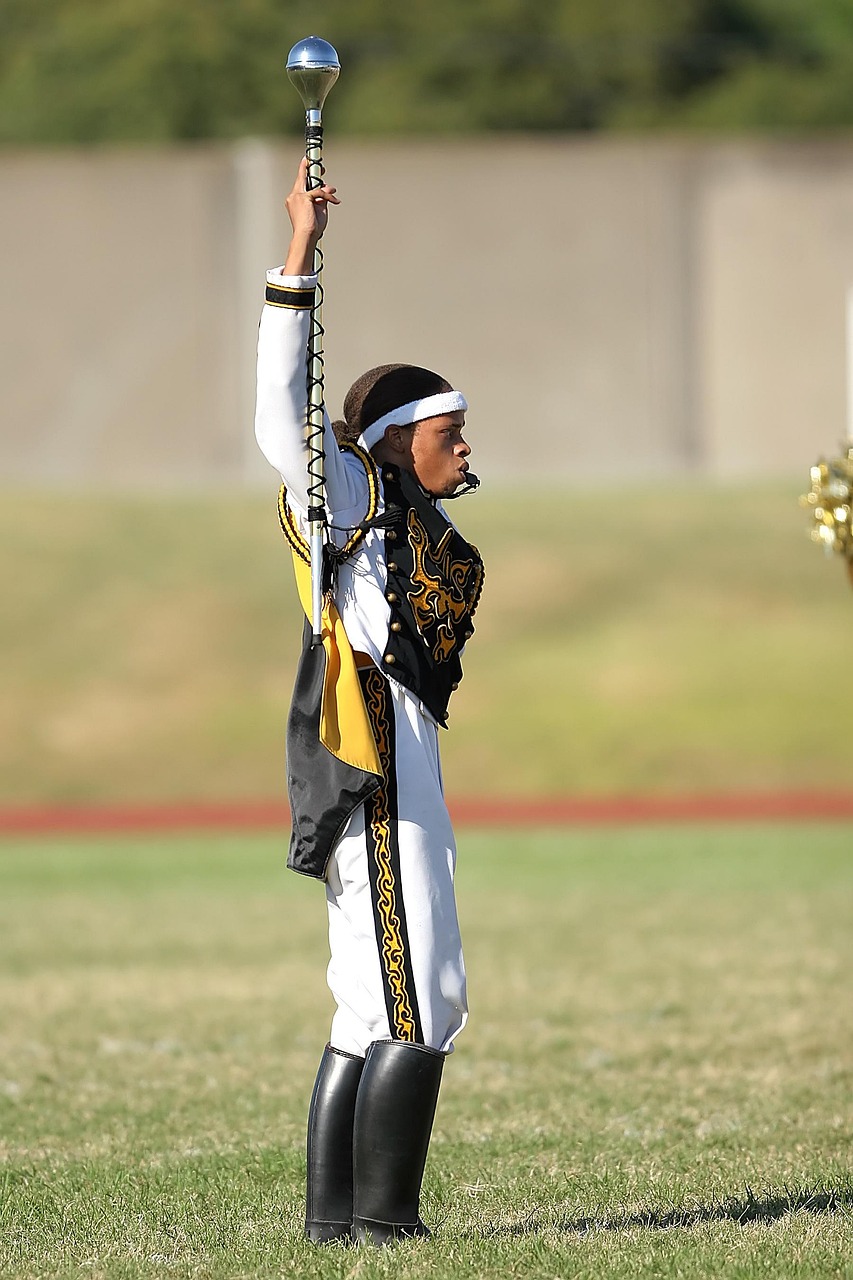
<point x="830" y="500"/>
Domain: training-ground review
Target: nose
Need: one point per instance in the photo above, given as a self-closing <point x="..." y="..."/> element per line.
<point x="463" y="448"/>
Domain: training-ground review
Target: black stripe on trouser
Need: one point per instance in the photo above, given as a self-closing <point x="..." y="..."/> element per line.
<point x="383" y="868"/>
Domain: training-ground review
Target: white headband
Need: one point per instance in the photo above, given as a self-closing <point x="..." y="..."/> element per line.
<point x="414" y="411"/>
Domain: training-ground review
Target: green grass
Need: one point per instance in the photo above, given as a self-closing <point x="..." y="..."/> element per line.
<point x="666" y="639"/>
<point x="655" y="1081"/>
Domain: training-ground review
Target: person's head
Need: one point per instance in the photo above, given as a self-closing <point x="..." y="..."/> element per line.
<point x="412" y="417"/>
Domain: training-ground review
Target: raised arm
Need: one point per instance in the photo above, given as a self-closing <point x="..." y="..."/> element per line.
<point x="281" y="406"/>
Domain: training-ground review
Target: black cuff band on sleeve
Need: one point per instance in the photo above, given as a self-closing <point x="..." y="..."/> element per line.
<point x="282" y="295"/>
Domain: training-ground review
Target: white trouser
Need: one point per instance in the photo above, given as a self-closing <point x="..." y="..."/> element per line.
<point x="396" y="969"/>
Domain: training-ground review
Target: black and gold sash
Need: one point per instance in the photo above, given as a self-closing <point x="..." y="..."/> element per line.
<point x="435" y="579"/>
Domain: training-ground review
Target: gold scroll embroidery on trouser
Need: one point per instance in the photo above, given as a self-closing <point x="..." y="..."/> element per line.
<point x="384" y="872"/>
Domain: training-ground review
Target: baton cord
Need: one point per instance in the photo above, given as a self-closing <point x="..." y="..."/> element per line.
<point x="315" y="392"/>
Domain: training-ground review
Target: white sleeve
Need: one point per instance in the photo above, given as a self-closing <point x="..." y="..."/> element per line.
<point x="282" y="398"/>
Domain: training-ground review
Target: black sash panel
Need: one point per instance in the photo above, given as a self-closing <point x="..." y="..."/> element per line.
<point x="322" y="791"/>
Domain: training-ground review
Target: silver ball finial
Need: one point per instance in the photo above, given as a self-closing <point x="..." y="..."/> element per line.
<point x="312" y="68"/>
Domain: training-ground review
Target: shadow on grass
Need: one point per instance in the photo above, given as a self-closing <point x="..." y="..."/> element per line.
<point x="749" y="1208"/>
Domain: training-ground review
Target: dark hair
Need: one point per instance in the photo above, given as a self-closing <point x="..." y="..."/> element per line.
<point x="377" y="392"/>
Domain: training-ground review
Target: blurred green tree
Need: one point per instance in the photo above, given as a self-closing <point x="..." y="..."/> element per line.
<point x="78" y="71"/>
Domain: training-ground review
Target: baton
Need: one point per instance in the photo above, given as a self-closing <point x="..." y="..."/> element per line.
<point x="312" y="68"/>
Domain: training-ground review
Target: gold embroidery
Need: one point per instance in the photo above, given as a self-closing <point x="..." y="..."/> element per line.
<point x="441" y="601"/>
<point x="391" y="942"/>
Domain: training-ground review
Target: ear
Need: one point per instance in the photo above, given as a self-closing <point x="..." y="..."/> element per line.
<point x="395" y="438"/>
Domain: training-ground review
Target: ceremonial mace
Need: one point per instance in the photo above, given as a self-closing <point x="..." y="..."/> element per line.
<point x="831" y="495"/>
<point x="312" y="68"/>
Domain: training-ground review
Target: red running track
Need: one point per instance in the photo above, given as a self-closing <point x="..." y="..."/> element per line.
<point x="544" y="811"/>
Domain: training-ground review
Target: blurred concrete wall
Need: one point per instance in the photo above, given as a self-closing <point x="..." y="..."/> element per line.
<point x="639" y="307"/>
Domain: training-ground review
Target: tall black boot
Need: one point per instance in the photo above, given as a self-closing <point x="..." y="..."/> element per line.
<point x="393" y="1122"/>
<point x="328" y="1202"/>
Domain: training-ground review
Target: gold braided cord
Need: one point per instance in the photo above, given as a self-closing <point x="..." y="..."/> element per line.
<point x="372" y="473"/>
<point x="290" y="529"/>
<point x="298" y="544"/>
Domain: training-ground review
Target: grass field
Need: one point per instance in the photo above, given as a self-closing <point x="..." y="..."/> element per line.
<point x="670" y="639"/>
<point x="655" y="1082"/>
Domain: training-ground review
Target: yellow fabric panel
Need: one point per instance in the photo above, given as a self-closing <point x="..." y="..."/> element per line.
<point x="345" y="728"/>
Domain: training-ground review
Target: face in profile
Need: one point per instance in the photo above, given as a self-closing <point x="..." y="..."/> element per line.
<point x="437" y="453"/>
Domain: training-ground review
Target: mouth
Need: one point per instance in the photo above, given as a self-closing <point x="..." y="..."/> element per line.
<point x="468" y="482"/>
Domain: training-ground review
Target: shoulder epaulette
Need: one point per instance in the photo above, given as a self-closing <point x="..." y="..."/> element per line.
<point x="299" y="544"/>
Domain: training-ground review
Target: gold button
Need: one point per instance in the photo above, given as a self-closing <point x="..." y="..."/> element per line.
<point x="455" y="685"/>
<point x="389" y="475"/>
<point x="396" y="626"/>
<point x="391" y="597"/>
<point x="392" y="568"/>
<point x="390" y="659"/>
<point x="391" y="535"/>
